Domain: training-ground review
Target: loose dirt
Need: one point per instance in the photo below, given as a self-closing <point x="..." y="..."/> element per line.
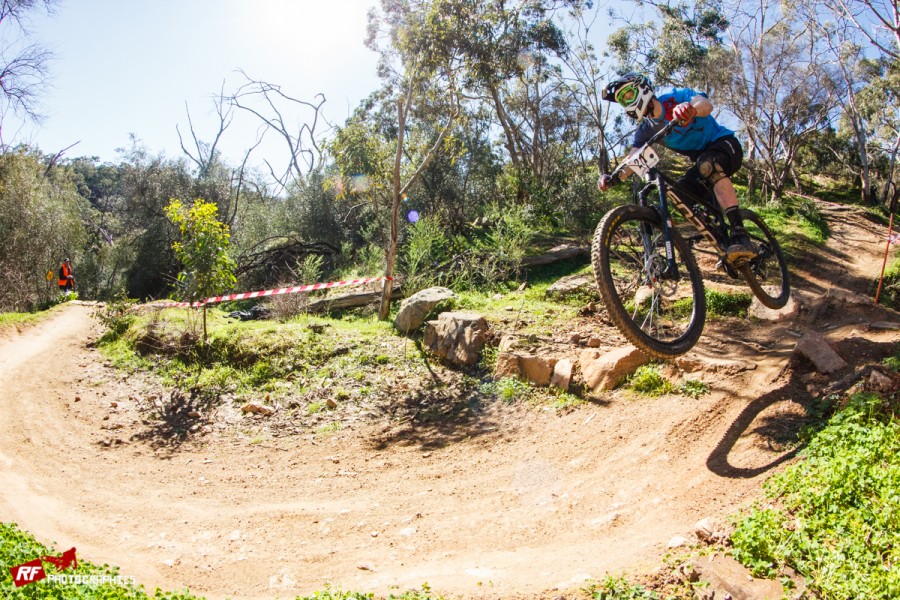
<point x="519" y="502"/>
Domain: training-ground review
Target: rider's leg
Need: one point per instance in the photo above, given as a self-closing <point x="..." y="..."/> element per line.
<point x="716" y="165"/>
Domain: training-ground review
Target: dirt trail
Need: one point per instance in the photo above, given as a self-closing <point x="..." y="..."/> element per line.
<point x="520" y="502"/>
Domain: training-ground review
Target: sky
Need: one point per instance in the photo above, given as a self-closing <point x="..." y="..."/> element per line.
<point x="126" y="67"/>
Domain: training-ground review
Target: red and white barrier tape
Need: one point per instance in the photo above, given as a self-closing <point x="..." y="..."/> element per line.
<point x="275" y="292"/>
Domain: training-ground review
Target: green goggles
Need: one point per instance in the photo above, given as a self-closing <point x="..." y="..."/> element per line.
<point x="628" y="94"/>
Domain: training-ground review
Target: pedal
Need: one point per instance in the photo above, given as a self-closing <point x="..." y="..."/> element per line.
<point x="727" y="268"/>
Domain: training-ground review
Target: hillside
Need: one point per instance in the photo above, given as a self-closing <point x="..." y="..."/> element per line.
<point x="478" y="499"/>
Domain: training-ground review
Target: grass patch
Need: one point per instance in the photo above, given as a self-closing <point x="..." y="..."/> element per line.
<point x="890" y="287"/>
<point x="834" y="517"/>
<point x="795" y="223"/>
<point x="648" y="381"/>
<point x="693" y="388"/>
<point x="728" y="304"/>
<point x="718" y="304"/>
<point x="20" y="320"/>
<point x="251" y="356"/>
<point x="619" y="588"/>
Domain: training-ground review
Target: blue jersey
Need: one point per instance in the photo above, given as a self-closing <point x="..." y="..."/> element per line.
<point x="690" y="140"/>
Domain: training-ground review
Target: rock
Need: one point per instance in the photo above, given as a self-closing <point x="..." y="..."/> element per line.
<point x="536" y="369"/>
<point x="457" y="337"/>
<point x="677" y="542"/>
<point x="415" y="309"/>
<point x="562" y="374"/>
<point x="884" y="325"/>
<point x="815" y="347"/>
<point x="759" y="311"/>
<point x="507" y="365"/>
<point x="603" y="371"/>
<point x="881" y="382"/>
<point x="709" y="531"/>
<point x="194" y="414"/>
<point x="594" y="342"/>
<point x="837" y="296"/>
<point x="330" y="403"/>
<point x="729" y="578"/>
<point x="260" y="409"/>
<point x="570" y="285"/>
<point x="507" y="343"/>
<point x="575" y="338"/>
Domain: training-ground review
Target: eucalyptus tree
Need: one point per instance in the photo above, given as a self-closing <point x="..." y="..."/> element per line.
<point x="40" y="224"/>
<point x="773" y="79"/>
<point x="843" y="50"/>
<point x="419" y="63"/>
<point x="678" y="45"/>
<point x="23" y="65"/>
<point x="873" y="113"/>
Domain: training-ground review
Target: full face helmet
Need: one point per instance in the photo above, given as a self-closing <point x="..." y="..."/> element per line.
<point x="633" y="91"/>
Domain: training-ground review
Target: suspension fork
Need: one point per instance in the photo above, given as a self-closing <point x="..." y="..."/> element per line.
<point x="665" y="218"/>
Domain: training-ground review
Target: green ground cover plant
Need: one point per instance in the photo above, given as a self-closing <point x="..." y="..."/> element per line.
<point x="18" y="547"/>
<point x="834" y="517"/>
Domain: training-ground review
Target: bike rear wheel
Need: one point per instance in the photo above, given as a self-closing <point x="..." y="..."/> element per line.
<point x="660" y="313"/>
<point x="767" y="274"/>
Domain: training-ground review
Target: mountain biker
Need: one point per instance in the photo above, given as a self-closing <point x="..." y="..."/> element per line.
<point x="715" y="150"/>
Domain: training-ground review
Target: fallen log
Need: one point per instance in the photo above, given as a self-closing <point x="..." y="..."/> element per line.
<point x="554" y="255"/>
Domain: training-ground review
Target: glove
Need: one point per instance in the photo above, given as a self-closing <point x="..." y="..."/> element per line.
<point x="605" y="182"/>
<point x="684" y="112"/>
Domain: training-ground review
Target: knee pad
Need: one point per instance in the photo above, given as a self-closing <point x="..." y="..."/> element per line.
<point x="710" y="171"/>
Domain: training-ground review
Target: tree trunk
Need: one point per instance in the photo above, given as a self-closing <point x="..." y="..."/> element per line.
<point x="391" y="252"/>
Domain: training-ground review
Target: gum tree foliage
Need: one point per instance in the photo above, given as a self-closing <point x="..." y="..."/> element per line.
<point x="40" y="224"/>
<point x="419" y="65"/>
<point x="872" y="113"/>
<point x="676" y="44"/>
<point x="510" y="56"/>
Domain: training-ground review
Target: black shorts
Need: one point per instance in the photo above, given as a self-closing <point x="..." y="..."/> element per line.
<point x="725" y="152"/>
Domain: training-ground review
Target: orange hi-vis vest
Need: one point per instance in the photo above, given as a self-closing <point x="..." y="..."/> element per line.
<point x="65" y="271"/>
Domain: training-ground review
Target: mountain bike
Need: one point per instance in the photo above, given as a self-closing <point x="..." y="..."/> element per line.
<point x="645" y="267"/>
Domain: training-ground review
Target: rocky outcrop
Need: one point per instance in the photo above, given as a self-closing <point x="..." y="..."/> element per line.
<point x="457" y="337"/>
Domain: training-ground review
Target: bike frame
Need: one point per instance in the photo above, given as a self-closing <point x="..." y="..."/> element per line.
<point x="703" y="213"/>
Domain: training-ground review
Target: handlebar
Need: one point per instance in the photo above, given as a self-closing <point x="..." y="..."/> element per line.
<point x="615" y="176"/>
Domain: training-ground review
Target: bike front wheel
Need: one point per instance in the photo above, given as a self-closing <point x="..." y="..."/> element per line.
<point x="660" y="312"/>
<point x="767" y="274"/>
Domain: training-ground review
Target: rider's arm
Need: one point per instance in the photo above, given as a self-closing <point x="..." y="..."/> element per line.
<point x="698" y="106"/>
<point x="605" y="182"/>
<point x="702" y="105"/>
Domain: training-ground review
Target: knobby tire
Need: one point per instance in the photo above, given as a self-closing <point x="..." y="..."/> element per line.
<point x="616" y="253"/>
<point x="769" y="268"/>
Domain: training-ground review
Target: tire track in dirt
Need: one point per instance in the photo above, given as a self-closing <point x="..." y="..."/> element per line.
<point x="529" y="501"/>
